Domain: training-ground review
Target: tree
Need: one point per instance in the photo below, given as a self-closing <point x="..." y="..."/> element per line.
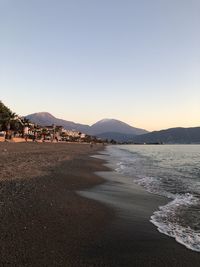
<point x="6" y="116"/>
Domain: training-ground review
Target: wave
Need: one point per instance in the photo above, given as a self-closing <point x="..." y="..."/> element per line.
<point x="168" y="218"/>
<point x="167" y="221"/>
<point x="171" y="219"/>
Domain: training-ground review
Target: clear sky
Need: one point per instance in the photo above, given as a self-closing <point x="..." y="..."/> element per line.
<point x="84" y="60"/>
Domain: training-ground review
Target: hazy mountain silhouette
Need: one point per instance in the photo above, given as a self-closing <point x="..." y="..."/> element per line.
<point x="45" y="118"/>
<point x="119" y="137"/>
<point x="104" y="126"/>
<point x="122" y="132"/>
<point x="171" y="136"/>
<point x="115" y="126"/>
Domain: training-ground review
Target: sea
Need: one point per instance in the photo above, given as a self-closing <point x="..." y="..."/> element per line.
<point x="172" y="171"/>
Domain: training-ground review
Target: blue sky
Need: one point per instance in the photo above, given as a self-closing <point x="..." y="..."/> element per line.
<point x="84" y="60"/>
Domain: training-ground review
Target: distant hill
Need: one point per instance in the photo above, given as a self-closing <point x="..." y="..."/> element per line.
<point x="119" y="137"/>
<point x="171" y="136"/>
<point x="115" y="126"/>
<point x="45" y="118"/>
<point x="110" y="128"/>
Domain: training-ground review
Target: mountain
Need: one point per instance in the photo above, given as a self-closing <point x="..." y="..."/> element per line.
<point x="119" y="137"/>
<point x="122" y="132"/>
<point x="45" y="118"/>
<point x="110" y="128"/>
<point x="115" y="126"/>
<point x="171" y="136"/>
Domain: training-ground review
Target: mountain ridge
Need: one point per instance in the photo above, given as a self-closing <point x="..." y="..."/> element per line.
<point x="46" y="118"/>
<point x="114" y="125"/>
<point x="121" y="131"/>
<point x="177" y="135"/>
<point x="100" y="127"/>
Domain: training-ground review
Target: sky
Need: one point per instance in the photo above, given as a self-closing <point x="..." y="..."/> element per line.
<point x="84" y="60"/>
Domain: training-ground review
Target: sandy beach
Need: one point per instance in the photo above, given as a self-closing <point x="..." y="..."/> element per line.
<point x="45" y="222"/>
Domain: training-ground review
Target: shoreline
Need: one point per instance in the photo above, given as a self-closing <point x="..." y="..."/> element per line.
<point x="132" y="233"/>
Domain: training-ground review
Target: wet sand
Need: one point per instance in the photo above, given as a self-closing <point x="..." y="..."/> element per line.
<point x="44" y="222"/>
<point x="131" y="240"/>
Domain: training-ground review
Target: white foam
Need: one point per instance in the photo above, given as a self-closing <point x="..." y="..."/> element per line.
<point x="151" y="184"/>
<point x="154" y="185"/>
<point x="167" y="222"/>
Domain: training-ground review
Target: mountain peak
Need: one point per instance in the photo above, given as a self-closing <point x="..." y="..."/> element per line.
<point x="42" y="114"/>
<point x="112" y="125"/>
<point x="46" y="118"/>
<point x="105" y="120"/>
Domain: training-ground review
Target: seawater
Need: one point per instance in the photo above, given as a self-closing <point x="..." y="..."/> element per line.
<point x="172" y="171"/>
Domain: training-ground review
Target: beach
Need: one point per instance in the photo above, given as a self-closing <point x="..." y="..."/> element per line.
<point x="43" y="221"/>
<point x="61" y="207"/>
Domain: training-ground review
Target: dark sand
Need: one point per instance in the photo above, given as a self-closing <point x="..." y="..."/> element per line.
<point x="44" y="222"/>
<point x="131" y="240"/>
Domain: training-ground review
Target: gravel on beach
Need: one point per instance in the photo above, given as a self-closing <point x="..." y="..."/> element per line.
<point x="43" y="221"/>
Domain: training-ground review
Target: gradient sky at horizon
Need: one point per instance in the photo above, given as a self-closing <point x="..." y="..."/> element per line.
<point x="84" y="60"/>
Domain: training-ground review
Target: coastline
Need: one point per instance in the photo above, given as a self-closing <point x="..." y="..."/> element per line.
<point x="45" y="222"/>
<point x="132" y="239"/>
